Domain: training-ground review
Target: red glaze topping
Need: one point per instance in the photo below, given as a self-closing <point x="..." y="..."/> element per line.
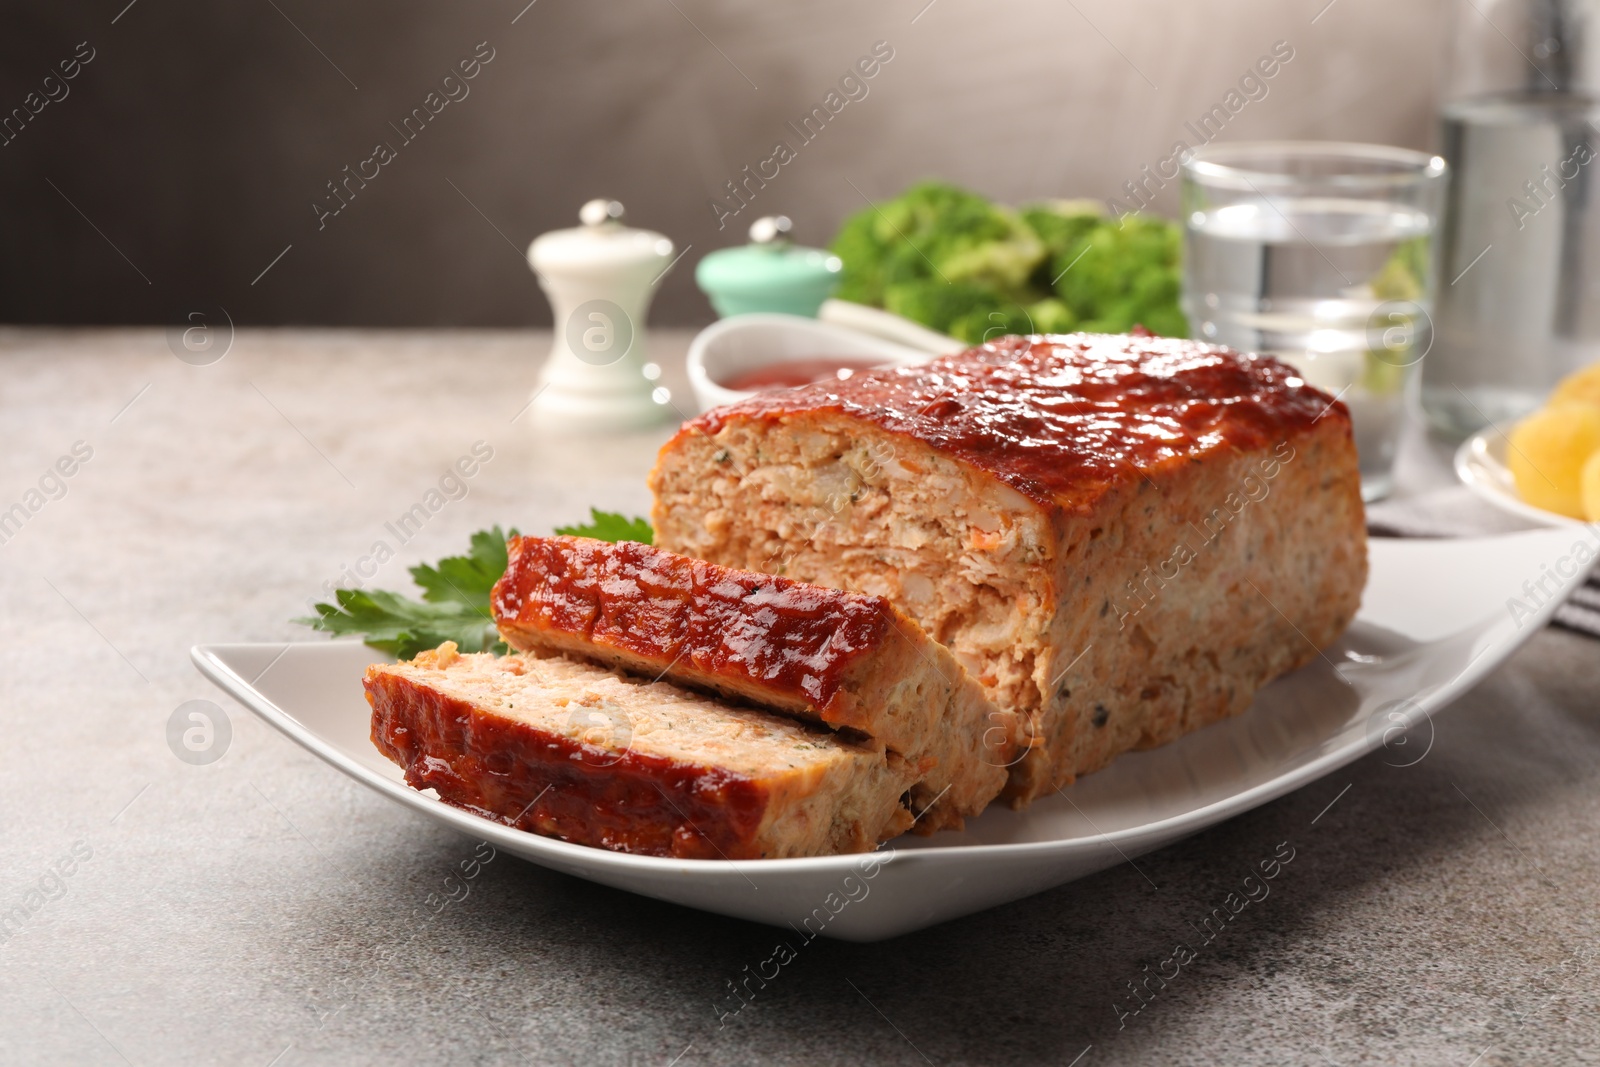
<point x="794" y="640"/>
<point x="543" y="782"/>
<point x="1060" y="418"/>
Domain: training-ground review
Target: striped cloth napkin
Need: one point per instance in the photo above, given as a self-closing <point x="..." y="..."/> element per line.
<point x="1455" y="512"/>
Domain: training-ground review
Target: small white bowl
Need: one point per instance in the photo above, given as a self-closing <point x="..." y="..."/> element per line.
<point x="1482" y="466"/>
<point x="743" y="343"/>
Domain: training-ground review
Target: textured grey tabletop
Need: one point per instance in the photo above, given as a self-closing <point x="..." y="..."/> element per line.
<point x="248" y="911"/>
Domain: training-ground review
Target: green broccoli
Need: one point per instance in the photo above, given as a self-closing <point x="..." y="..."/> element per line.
<point x="977" y="327"/>
<point x="1061" y="223"/>
<point x="858" y="247"/>
<point x="1164" y="321"/>
<point x="935" y="230"/>
<point x="1052" y="316"/>
<point x="1122" y="274"/>
<point x="953" y="261"/>
<point x="936" y="304"/>
<point x="1088" y="276"/>
<point x="999" y="250"/>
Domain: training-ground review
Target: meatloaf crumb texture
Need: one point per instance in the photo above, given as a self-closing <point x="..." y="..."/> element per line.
<point x="843" y="659"/>
<point x="1121" y="538"/>
<point x="573" y="750"/>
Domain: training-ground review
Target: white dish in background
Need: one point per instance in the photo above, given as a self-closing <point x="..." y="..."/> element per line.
<point x="890" y="327"/>
<point x="1433" y="622"/>
<point x="1481" y="465"/>
<point x="740" y="344"/>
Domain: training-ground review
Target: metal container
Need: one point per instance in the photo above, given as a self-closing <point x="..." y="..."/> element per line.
<point x="1519" y="283"/>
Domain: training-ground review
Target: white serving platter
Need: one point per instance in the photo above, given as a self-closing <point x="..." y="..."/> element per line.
<point x="1434" y="620"/>
<point x="1481" y="465"/>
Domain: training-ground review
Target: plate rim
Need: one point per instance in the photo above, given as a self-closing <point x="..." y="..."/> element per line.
<point x="209" y="663"/>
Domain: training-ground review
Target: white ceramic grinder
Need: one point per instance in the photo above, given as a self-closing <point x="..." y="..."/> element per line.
<point x="599" y="278"/>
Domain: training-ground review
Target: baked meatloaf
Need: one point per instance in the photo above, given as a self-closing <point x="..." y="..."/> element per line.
<point x="846" y="660"/>
<point x="1122" y="538"/>
<point x="576" y="751"/>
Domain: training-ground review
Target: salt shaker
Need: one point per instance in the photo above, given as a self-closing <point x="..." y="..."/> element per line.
<point x="599" y="278"/>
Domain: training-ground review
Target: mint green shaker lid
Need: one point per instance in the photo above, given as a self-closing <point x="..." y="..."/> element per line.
<point x="768" y="274"/>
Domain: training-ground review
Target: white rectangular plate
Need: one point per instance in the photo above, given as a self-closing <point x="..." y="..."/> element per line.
<point x="1434" y="620"/>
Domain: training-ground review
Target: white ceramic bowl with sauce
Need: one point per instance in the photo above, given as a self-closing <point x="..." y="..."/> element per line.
<point x="742" y="345"/>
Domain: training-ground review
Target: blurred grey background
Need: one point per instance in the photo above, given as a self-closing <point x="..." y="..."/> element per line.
<point x="186" y="157"/>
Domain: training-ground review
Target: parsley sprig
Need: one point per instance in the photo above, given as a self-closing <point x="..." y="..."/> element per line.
<point x="609" y="526"/>
<point x="455" y="595"/>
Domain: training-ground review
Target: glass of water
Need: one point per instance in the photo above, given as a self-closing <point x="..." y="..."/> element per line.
<point x="1322" y="254"/>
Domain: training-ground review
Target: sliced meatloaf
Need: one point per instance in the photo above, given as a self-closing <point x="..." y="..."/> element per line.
<point x="846" y="660"/>
<point x="1122" y="538"/>
<point x="573" y="750"/>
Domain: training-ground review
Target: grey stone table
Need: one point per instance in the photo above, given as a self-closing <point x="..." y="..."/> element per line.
<point x="252" y="910"/>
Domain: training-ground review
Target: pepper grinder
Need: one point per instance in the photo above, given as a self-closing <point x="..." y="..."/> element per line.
<point x="599" y="278"/>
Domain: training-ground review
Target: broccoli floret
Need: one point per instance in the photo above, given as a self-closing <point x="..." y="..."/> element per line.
<point x="1061" y="223"/>
<point x="1052" y="316"/>
<point x="1001" y="320"/>
<point x="996" y="248"/>
<point x="858" y="247"/>
<point x="1088" y="277"/>
<point x="1117" y="318"/>
<point x="951" y="260"/>
<point x="938" y="305"/>
<point x="935" y="230"/>
<point x="1123" y="273"/>
<point x="1165" y="321"/>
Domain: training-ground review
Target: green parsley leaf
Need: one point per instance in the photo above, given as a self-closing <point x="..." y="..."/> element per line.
<point x="610" y="526"/>
<point x="403" y="627"/>
<point x="454" y="605"/>
<point x="455" y="596"/>
<point x="466" y="579"/>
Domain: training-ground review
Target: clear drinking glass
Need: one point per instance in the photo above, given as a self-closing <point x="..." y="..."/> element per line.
<point x="1322" y="254"/>
<point x="1519" y="244"/>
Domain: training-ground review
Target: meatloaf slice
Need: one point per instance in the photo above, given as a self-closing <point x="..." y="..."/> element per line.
<point x="843" y="659"/>
<point x="1122" y="538"/>
<point x="579" y="752"/>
